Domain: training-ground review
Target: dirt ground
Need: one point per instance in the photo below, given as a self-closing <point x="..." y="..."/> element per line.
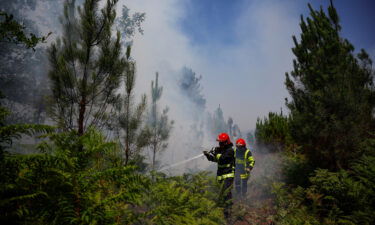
<point x="259" y="212"/>
<point x="258" y="208"/>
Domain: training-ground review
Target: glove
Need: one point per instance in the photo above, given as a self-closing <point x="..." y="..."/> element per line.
<point x="248" y="169"/>
<point x="205" y="153"/>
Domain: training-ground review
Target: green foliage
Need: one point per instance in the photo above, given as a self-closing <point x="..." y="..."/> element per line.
<point x="296" y="170"/>
<point x="332" y="92"/>
<point x="67" y="186"/>
<point x="13" y="32"/>
<point x="187" y="199"/>
<point x="129" y="125"/>
<point x="331" y="176"/>
<point x="158" y="123"/>
<point x="10" y="132"/>
<point x="274" y="132"/>
<point x="343" y="197"/>
<point x="81" y="180"/>
<point x="290" y="207"/>
<point x="347" y="197"/>
<point x="78" y="177"/>
<point x="87" y="66"/>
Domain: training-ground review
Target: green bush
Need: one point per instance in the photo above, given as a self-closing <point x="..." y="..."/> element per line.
<point x="77" y="180"/>
<point x="296" y="170"/>
<point x="348" y="197"/>
<point x="187" y="199"/>
<point x="291" y="208"/>
<point x="81" y="180"/>
<point x="343" y="197"/>
<point x="274" y="132"/>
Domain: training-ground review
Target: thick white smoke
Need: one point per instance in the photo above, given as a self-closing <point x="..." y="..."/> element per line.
<point x="190" y="135"/>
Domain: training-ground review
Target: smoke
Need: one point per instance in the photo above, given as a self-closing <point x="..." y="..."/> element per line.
<point x="24" y="71"/>
<point x="267" y="170"/>
<point x="190" y="135"/>
<point x="195" y="129"/>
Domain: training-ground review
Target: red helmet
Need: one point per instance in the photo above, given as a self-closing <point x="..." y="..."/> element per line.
<point x="240" y="142"/>
<point x="223" y="137"/>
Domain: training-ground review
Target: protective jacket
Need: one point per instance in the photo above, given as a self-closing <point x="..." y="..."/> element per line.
<point x="224" y="157"/>
<point x="244" y="159"/>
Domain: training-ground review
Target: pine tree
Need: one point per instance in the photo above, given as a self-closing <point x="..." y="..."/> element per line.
<point x="131" y="118"/>
<point x="219" y="124"/>
<point x="87" y="67"/>
<point x="273" y="131"/>
<point x="230" y="126"/>
<point x="159" y="124"/>
<point x="190" y="86"/>
<point x="332" y="92"/>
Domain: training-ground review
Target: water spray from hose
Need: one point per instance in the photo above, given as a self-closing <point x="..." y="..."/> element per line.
<point x="180" y="163"/>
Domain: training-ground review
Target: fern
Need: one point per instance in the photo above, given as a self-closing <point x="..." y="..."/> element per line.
<point x="182" y="200"/>
<point x="343" y="197"/>
<point x="75" y="181"/>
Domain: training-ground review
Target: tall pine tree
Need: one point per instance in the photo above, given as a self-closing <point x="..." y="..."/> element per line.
<point x="159" y="123"/>
<point x="130" y="117"/>
<point x="332" y="92"/>
<point x="86" y="66"/>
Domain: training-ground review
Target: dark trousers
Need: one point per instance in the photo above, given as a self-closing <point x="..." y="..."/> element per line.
<point x="241" y="185"/>
<point x="226" y="195"/>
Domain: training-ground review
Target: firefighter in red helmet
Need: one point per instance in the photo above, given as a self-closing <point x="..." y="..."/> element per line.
<point x="224" y="157"/>
<point x="244" y="164"/>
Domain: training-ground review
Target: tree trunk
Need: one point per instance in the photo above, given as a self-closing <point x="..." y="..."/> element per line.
<point x="127" y="141"/>
<point x="81" y="117"/>
<point x="83" y="102"/>
<point x="154" y="156"/>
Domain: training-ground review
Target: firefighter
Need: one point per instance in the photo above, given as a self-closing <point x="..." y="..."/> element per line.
<point x="244" y="164"/>
<point x="224" y="157"/>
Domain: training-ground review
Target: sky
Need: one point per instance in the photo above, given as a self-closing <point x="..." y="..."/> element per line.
<point x="242" y="48"/>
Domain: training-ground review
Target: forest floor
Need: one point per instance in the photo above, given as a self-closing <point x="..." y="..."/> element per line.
<point x="257" y="212"/>
<point x="258" y="208"/>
